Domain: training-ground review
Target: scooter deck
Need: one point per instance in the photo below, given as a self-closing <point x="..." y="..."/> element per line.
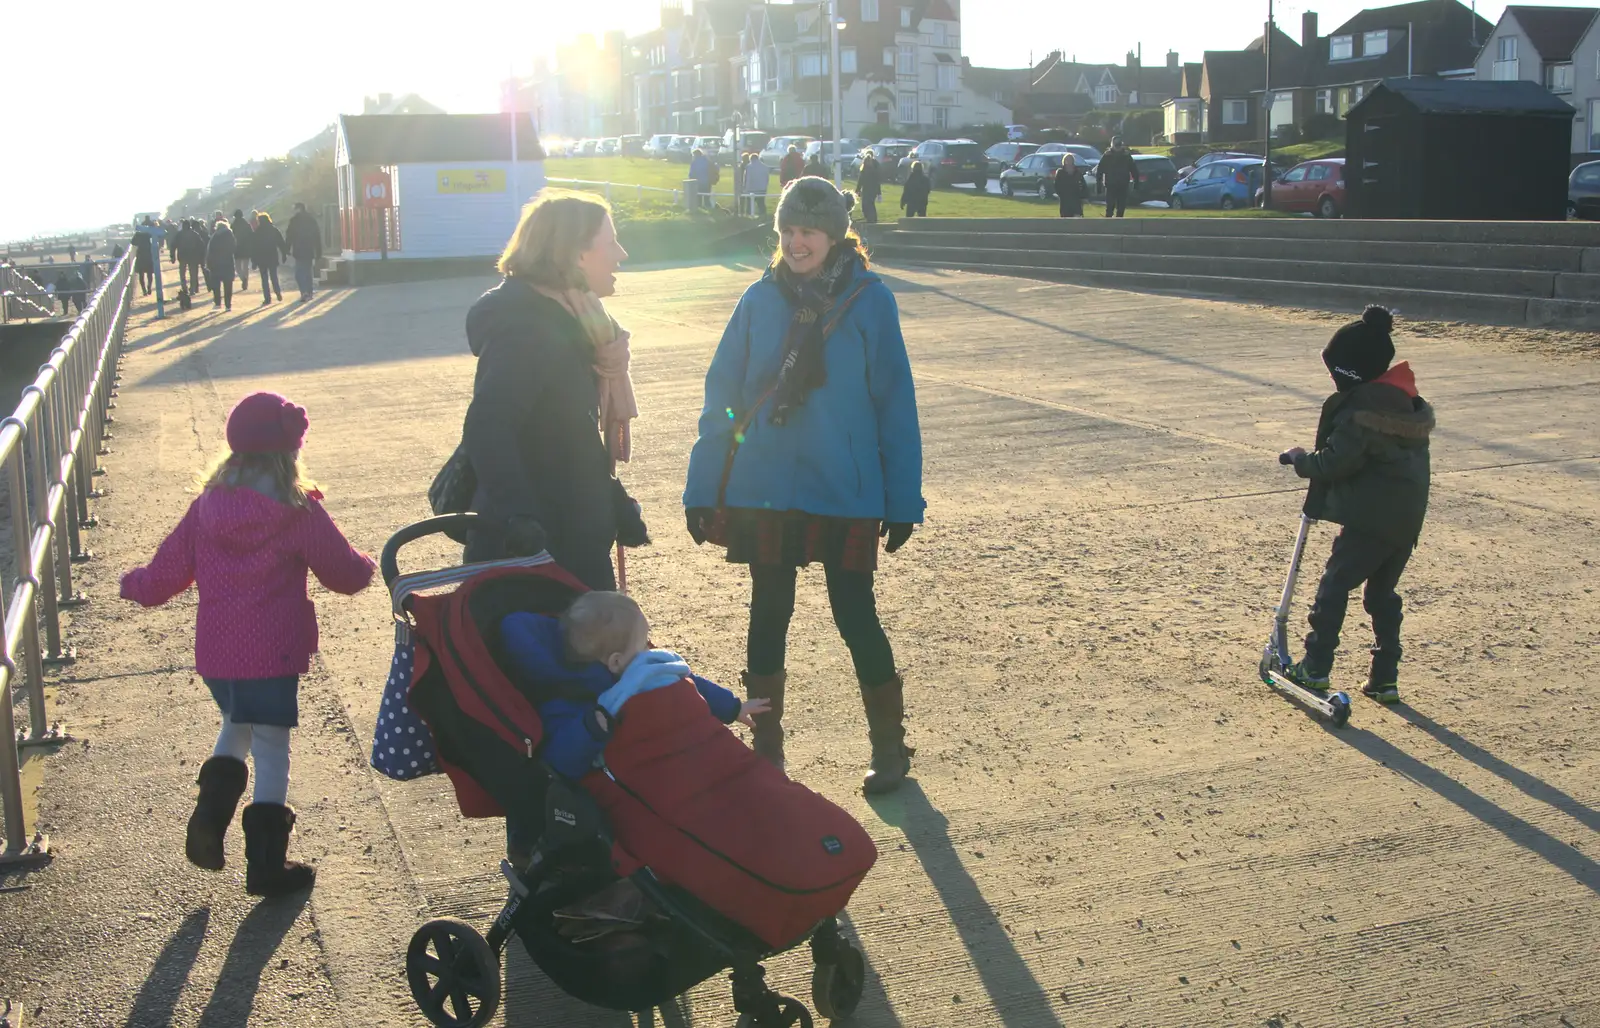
<point x="1334" y="706"/>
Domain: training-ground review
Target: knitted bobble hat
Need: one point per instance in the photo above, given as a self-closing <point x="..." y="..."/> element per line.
<point x="267" y="423"/>
<point x="815" y="203"/>
<point x="1362" y="350"/>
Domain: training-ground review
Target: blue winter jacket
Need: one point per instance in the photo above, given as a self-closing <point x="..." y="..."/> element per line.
<point x="853" y="450"/>
<point x="575" y="732"/>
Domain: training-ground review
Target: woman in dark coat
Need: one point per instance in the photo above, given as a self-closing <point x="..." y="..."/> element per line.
<point x="809" y="452"/>
<point x="266" y="247"/>
<point x="144" y="255"/>
<point x="1069" y="188"/>
<point x="220" y="255"/>
<point x="914" y="194"/>
<point x="870" y="186"/>
<point x="551" y="402"/>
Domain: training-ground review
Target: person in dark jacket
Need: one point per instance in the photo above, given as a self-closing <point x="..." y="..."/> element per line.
<point x="242" y="246"/>
<point x="220" y="254"/>
<point x="814" y="167"/>
<point x="1369" y="473"/>
<point x="1069" y="187"/>
<point x="870" y="186"/>
<point x="1118" y="172"/>
<point x="266" y="248"/>
<point x="304" y="244"/>
<point x="146" y="251"/>
<point x="791" y="167"/>
<point x="809" y="452"/>
<point x="914" y="194"/>
<point x="191" y="255"/>
<point x="70" y="289"/>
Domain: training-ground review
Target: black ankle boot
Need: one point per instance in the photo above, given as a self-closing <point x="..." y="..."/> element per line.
<point x="266" y="843"/>
<point x="222" y="781"/>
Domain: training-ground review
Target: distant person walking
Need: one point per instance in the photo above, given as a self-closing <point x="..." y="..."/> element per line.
<point x="145" y="252"/>
<point x="869" y="187"/>
<point x="1069" y="188"/>
<point x="220" y="254"/>
<point x="86" y="269"/>
<point x="814" y="168"/>
<point x="757" y="179"/>
<point x="304" y="242"/>
<point x="266" y="246"/>
<point x="914" y="194"/>
<point x="69" y="290"/>
<point x="1118" y="173"/>
<point x="790" y="168"/>
<point x="700" y="171"/>
<point x="172" y="230"/>
<point x="191" y="255"/>
<point x="242" y="246"/>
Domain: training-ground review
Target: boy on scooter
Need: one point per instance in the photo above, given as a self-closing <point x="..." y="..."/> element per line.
<point x="1369" y="473"/>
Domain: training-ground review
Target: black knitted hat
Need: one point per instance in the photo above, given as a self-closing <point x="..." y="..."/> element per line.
<point x="813" y="202"/>
<point x="1362" y="350"/>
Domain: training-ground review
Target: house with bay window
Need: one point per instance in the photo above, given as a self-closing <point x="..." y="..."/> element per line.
<point x="1559" y="48"/>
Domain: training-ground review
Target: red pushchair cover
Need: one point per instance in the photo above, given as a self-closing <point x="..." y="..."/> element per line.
<point x="688" y="798"/>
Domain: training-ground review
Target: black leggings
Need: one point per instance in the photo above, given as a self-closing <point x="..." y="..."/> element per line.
<point x="855" y="612"/>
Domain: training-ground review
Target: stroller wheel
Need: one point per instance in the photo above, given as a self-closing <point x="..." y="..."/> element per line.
<point x="454" y="975"/>
<point x="836" y="987"/>
<point x="791" y="1014"/>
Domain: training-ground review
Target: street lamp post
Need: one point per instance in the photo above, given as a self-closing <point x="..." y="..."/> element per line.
<point x="838" y="101"/>
<point x="1266" y="149"/>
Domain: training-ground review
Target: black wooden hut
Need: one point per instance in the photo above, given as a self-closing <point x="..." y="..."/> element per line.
<point x="1458" y="150"/>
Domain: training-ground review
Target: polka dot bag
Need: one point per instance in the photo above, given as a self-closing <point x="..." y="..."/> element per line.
<point x="402" y="747"/>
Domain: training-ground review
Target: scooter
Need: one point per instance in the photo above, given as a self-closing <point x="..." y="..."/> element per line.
<point x="1332" y="707"/>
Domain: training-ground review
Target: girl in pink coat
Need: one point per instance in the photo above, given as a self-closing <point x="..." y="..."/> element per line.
<point x="246" y="544"/>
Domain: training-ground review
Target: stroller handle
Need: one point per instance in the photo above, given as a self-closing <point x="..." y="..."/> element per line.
<point x="389" y="563"/>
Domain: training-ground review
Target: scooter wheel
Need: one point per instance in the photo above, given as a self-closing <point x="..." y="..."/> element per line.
<point x="1340" y="703"/>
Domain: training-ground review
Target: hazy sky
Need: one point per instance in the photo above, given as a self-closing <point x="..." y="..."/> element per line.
<point x="130" y="110"/>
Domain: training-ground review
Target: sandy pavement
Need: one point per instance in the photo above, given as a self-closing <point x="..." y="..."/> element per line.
<point x="1114" y="823"/>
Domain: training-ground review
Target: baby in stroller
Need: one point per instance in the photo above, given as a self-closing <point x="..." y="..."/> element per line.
<point x="596" y="657"/>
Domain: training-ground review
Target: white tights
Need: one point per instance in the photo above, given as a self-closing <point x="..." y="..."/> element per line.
<point x="269" y="744"/>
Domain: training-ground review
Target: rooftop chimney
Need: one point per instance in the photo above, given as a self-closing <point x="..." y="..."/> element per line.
<point x="1133" y="59"/>
<point x="1308" y="29"/>
<point x="1172" y="60"/>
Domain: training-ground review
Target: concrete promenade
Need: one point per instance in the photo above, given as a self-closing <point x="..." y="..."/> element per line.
<point x="1113" y="823"/>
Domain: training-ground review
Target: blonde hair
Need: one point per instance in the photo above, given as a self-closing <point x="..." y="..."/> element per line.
<point x="280" y="475"/>
<point x="599" y="624"/>
<point x="554" y="232"/>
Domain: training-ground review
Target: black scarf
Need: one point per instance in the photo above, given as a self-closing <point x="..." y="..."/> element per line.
<point x="803" y="368"/>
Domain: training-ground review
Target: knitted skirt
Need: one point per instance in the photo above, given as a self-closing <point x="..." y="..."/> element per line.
<point x="795" y="539"/>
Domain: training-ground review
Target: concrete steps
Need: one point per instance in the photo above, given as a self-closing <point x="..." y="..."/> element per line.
<point x="1513" y="273"/>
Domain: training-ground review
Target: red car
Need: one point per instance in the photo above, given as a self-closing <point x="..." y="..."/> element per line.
<point x="1315" y="186"/>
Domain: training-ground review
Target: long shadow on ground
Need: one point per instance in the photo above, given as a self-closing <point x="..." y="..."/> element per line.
<point x="253" y="945"/>
<point x="158" y="997"/>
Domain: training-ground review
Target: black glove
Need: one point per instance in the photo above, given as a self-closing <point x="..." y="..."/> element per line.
<point x="897" y="532"/>
<point x="699" y="519"/>
<point x="631" y="530"/>
<point x="524" y="536"/>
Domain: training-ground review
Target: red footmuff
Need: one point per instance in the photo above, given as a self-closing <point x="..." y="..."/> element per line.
<point x="688" y="798"/>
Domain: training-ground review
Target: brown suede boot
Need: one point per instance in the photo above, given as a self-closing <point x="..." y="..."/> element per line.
<point x="768" y="735"/>
<point x="222" y="781"/>
<point x="891" y="757"/>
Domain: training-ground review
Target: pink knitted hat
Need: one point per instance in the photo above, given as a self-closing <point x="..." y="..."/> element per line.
<point x="266" y="423"/>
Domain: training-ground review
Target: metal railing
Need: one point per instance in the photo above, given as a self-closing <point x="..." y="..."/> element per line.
<point x="49" y="454"/>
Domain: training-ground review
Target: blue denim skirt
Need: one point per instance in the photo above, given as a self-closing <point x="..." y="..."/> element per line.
<point x="258" y="701"/>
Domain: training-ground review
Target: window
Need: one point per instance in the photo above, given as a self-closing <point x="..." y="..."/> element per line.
<point x="908" y="108"/>
<point x="939" y="37"/>
<point x="1341" y="48"/>
<point x="1558" y="78"/>
<point x="1282" y="110"/>
<point x="1594" y="125"/>
<point x="949" y="78"/>
<point x="889" y="54"/>
<point x="1506" y="48"/>
<point x="1320" y="173"/>
<point x="1105" y="94"/>
<point x="1297" y="175"/>
<point x="869" y="10"/>
<point x="905" y="17"/>
<point x="1235" y="112"/>
<point x="1375" y="43"/>
<point x="941" y="117"/>
<point x="847" y="60"/>
<point x="814" y="65"/>
<point x="1324" y="101"/>
<point x="908" y="60"/>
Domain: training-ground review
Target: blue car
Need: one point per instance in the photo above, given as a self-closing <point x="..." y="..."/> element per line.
<point x="1227" y="184"/>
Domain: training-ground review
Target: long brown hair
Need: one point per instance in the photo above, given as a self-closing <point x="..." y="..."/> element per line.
<point x="281" y="472"/>
<point x="554" y="232"/>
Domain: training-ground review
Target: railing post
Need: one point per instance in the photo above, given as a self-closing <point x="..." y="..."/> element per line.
<point x="20" y="848"/>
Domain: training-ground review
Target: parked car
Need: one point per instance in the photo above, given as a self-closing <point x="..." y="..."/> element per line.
<point x="745" y="142"/>
<point x="657" y="146"/>
<point x="1315" y="186"/>
<point x="1035" y="173"/>
<point x="1226" y="184"/>
<point x="849" y="152"/>
<point x="1016" y="132"/>
<point x="631" y="145"/>
<point x="711" y="146"/>
<point x="1583" y="192"/>
<point x="681" y="149"/>
<point x="1005" y="155"/>
<point x="609" y="147"/>
<point x="1157" y="174"/>
<point x="1215" y="155"/>
<point x="1086" y="157"/>
<point x="889" y="152"/>
<point x="772" y="154"/>
<point x="948" y="161"/>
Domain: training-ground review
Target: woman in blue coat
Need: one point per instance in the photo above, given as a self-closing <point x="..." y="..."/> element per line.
<point x="809" y="451"/>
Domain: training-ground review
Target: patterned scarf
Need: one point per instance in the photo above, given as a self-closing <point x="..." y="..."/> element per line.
<point x="610" y="341"/>
<point x="803" y="368"/>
